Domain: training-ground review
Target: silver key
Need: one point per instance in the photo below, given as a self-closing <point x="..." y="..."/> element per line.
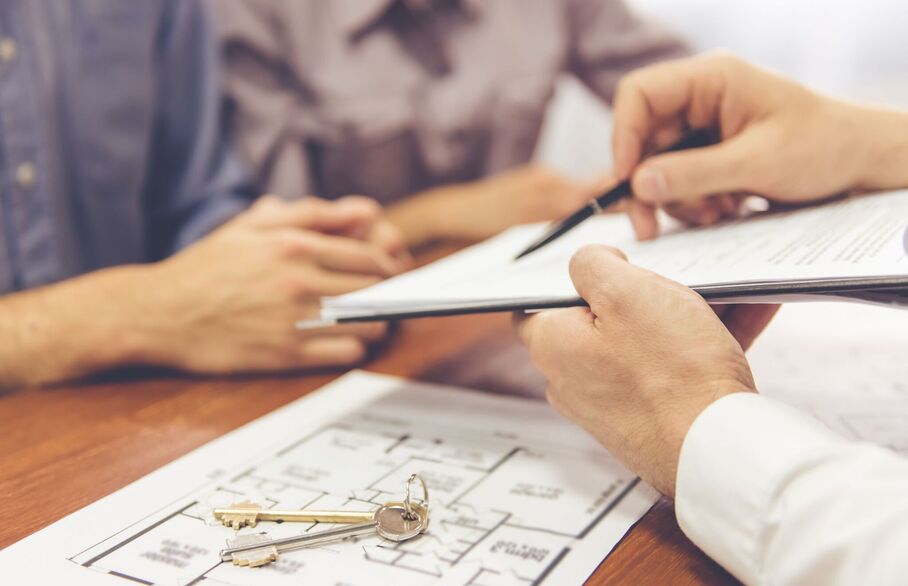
<point x="395" y="521"/>
<point x="256" y="551"/>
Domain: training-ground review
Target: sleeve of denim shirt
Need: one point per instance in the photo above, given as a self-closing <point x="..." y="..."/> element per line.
<point x="195" y="181"/>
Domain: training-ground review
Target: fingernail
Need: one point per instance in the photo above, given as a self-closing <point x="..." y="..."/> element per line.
<point x="650" y="184"/>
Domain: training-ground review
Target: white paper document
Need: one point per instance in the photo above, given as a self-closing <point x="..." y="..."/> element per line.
<point x="517" y="496"/>
<point x="859" y="238"/>
<point x="847" y="365"/>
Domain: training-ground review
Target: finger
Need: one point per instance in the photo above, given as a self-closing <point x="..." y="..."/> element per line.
<point x="552" y="334"/>
<point x="746" y="322"/>
<point x="366" y="213"/>
<point x="523" y="324"/>
<point x="331" y="283"/>
<point x="369" y="332"/>
<point x="604" y="278"/>
<point x="337" y="253"/>
<point x="696" y="173"/>
<point x="643" y="218"/>
<point x="347" y="255"/>
<point x="314" y="214"/>
<point x="665" y="134"/>
<point x="389" y="238"/>
<point x="699" y="213"/>
<point x="262" y="208"/>
<point x="331" y="351"/>
<point x="646" y="96"/>
<point x="729" y="205"/>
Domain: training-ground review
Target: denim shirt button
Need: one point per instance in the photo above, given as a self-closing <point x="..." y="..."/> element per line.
<point x="25" y="175"/>
<point x="7" y="50"/>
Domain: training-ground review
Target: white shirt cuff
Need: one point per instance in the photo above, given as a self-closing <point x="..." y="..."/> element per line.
<point x="733" y="458"/>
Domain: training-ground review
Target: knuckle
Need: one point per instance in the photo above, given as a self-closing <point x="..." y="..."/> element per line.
<point x="365" y="205"/>
<point x="288" y="243"/>
<point x="297" y="288"/>
<point x="544" y="341"/>
<point x="614" y="251"/>
<point x="722" y="58"/>
<point x="588" y="256"/>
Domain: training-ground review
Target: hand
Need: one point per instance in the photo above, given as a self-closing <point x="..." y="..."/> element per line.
<point x="637" y="367"/>
<point x="229" y="303"/>
<point x="479" y="210"/>
<point x="777" y="140"/>
<point x="378" y="231"/>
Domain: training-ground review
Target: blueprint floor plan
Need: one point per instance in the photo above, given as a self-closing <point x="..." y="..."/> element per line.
<point x="518" y="496"/>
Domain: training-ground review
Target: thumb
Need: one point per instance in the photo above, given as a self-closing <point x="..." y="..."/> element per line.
<point x="603" y="277"/>
<point x="696" y="173"/>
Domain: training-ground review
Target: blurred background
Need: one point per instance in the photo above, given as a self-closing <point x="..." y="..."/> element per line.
<point x="856" y="49"/>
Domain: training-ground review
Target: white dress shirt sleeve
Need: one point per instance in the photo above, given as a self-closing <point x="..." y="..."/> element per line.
<point x="777" y="498"/>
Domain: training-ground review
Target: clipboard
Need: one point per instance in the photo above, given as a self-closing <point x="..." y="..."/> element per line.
<point x="889" y="291"/>
<point x="855" y="249"/>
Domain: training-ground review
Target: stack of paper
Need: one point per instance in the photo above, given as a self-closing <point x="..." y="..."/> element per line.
<point x="854" y="247"/>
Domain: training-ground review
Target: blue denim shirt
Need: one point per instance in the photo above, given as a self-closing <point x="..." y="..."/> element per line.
<point x="112" y="149"/>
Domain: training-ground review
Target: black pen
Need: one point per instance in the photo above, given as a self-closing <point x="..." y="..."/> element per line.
<point x="695" y="139"/>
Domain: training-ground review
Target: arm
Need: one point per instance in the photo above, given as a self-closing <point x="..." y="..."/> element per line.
<point x="195" y="184"/>
<point x="661" y="380"/>
<point x="470" y="212"/>
<point x="789" y="502"/>
<point x="79" y="326"/>
<point x="608" y="41"/>
<point x="225" y="304"/>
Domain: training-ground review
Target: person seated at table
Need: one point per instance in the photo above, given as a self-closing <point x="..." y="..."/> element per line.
<point x="660" y="377"/>
<point x="111" y="156"/>
<point x="433" y="107"/>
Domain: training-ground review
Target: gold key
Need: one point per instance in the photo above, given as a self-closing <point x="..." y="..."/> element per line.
<point x="248" y="514"/>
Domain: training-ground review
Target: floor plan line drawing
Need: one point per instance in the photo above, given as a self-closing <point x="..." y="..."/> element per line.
<point x="518" y="496"/>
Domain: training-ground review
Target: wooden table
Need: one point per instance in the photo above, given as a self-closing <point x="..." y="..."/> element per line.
<point x="63" y="448"/>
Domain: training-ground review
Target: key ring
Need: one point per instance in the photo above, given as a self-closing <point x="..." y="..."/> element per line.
<point x="409" y="515"/>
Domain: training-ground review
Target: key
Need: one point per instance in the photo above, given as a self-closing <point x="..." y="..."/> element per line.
<point x="394" y="521"/>
<point x="261" y="551"/>
<point x="248" y="514"/>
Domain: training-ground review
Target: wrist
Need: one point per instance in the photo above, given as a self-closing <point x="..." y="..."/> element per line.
<point x="415" y="219"/>
<point x="879" y="141"/>
<point x="115" y="324"/>
<point x="430" y="216"/>
<point x="71" y="329"/>
<point x="676" y="423"/>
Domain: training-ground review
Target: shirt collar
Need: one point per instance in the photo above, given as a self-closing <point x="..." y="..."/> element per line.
<point x="357" y="15"/>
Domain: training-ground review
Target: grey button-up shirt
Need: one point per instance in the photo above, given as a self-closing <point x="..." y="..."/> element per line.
<point x="111" y="148"/>
<point x="390" y="97"/>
